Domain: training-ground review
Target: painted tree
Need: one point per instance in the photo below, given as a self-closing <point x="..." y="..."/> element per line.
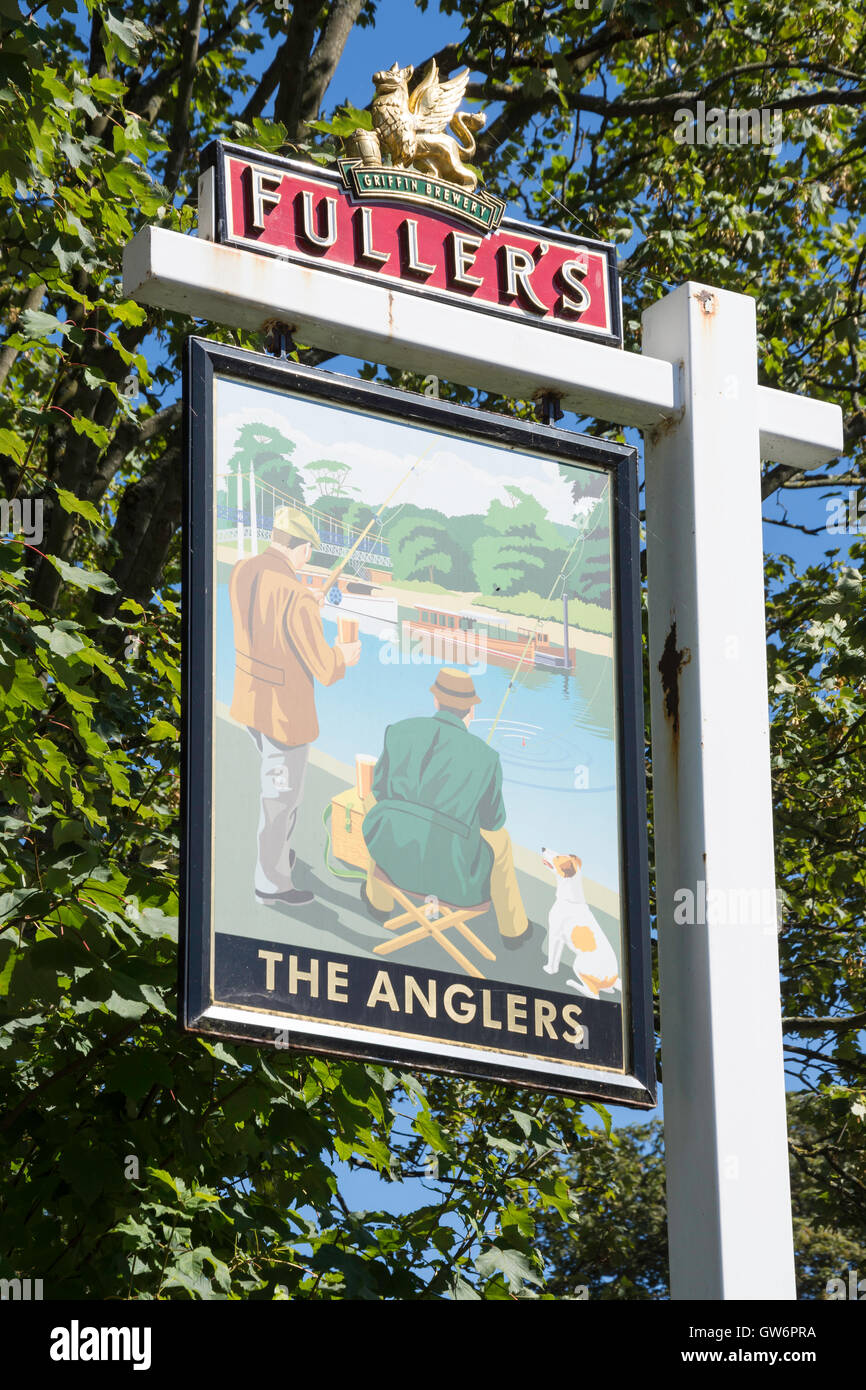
<point x="519" y="548"/>
<point x="421" y="546"/>
<point x="266" y="450"/>
<point x="331" y="477"/>
<point x="266" y="453"/>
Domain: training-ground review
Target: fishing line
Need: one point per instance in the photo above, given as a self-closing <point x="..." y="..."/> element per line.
<point x="338" y="568"/>
<point x="530" y="639"/>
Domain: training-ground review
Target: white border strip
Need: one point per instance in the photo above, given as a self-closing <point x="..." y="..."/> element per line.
<point x="281" y="1024"/>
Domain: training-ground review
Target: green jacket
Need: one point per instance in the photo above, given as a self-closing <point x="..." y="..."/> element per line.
<point x="437" y="786"/>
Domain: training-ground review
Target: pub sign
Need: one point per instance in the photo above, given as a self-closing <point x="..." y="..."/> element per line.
<point x="415" y="822"/>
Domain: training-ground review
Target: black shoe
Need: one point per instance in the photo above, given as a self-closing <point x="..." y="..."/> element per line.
<point x="513" y="943"/>
<point x="295" y="897"/>
<point x="377" y="913"/>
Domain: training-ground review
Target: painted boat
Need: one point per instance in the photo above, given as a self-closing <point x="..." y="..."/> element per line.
<point x="466" y="636"/>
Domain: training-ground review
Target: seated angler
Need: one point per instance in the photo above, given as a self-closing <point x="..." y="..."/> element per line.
<point x="438" y="824"/>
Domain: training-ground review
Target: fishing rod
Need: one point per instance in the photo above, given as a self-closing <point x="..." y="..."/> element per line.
<point x="530" y="639"/>
<point x="326" y="516"/>
<point x="341" y="565"/>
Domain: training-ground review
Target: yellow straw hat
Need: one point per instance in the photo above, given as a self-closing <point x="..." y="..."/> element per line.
<point x="292" y="526"/>
<point x="454" y="690"/>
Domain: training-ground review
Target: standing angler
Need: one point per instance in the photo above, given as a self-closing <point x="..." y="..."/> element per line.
<point x="280" y="652"/>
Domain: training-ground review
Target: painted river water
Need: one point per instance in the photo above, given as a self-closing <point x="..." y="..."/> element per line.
<point x="554" y="736"/>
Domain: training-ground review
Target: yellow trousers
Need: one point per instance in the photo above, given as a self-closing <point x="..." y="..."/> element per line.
<point x="504" y="889"/>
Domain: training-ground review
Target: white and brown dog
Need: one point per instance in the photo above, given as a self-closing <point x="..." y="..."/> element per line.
<point x="572" y="924"/>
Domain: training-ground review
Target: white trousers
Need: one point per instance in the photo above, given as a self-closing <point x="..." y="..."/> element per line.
<point x="281" y="789"/>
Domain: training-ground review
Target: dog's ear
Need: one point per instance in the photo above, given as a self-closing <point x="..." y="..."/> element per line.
<point x="564" y="866"/>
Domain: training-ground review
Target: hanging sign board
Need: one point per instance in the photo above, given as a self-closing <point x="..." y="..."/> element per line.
<point x="415" y="823"/>
<point x="414" y="230"/>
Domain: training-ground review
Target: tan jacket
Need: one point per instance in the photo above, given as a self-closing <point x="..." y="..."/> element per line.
<point x="280" y="650"/>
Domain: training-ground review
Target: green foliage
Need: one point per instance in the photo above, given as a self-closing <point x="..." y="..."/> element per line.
<point x="422" y="547"/>
<point x="617" y="1251"/>
<point x="590" y="617"/>
<point x="518" y="549"/>
<point x="265" y="451"/>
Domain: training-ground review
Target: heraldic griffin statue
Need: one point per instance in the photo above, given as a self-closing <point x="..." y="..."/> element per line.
<point x="411" y="126"/>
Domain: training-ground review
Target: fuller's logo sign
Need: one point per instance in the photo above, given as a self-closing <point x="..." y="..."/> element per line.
<point x="410" y="130"/>
<point x="403" y="208"/>
<point x="382" y="184"/>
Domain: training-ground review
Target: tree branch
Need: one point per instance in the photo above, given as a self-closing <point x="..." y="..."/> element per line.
<point x="802" y="101"/>
<point x="147" y="519"/>
<point x="7" y="356"/>
<point x="802" y="1023"/>
<point x="145" y="98"/>
<point x="327" y="54"/>
<point x="296" y="53"/>
<point x="180" y="125"/>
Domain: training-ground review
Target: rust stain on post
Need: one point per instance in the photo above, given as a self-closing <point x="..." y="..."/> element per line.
<point x="707" y="301"/>
<point x="666" y="426"/>
<point x="673" y="659"/>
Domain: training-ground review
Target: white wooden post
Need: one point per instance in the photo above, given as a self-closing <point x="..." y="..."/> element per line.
<point x="726" y="1150"/>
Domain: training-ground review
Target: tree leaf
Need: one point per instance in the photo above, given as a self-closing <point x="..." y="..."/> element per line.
<point x="82" y="578"/>
<point x="11" y="445"/>
<point x="33" y="323"/>
<point x="517" y="1267"/>
<point x="70" y="503"/>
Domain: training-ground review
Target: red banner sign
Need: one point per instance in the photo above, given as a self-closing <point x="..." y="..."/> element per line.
<point x="419" y="232"/>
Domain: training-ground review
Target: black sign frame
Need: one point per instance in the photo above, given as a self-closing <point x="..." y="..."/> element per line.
<point x="635" y="1084"/>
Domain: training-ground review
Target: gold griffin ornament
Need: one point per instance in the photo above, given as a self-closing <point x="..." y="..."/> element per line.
<point x="410" y="127"/>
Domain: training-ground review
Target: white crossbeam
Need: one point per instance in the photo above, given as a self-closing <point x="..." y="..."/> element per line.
<point x="363" y="319"/>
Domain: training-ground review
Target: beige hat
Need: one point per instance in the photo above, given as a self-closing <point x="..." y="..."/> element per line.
<point x="454" y="690"/>
<point x="292" y="527"/>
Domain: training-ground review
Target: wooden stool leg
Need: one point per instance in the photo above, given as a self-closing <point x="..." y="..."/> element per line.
<point x="453" y="951"/>
<point x="435" y="927"/>
<point x="476" y="941"/>
<point x="458" y="918"/>
<point x="406" y="939"/>
<point x="394" y="922"/>
<point x="411" y="913"/>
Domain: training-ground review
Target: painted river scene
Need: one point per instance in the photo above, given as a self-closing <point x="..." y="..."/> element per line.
<point x="469" y="588"/>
